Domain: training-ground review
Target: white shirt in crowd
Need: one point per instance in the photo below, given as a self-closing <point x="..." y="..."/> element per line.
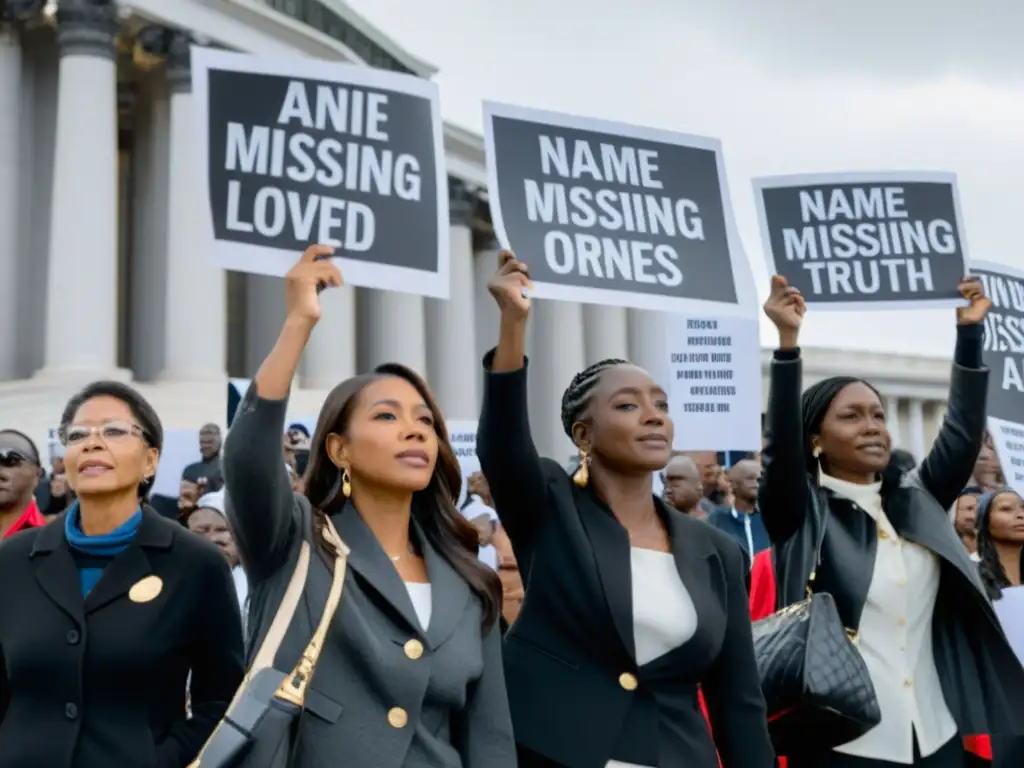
<point x="664" y="616"/>
<point x="895" y="639"/>
<point x="475" y="508"/>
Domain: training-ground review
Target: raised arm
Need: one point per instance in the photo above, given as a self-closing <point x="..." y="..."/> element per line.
<point x="508" y="457"/>
<point x="260" y="504"/>
<point x="782" y="495"/>
<point x="949" y="464"/>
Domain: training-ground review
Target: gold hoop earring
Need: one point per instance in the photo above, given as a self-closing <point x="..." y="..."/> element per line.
<point x="346" y="484"/>
<point x="582" y="474"/>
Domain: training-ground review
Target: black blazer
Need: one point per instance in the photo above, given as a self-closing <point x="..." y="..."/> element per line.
<point x="982" y="681"/>
<point x="100" y="681"/>
<point x="569" y="658"/>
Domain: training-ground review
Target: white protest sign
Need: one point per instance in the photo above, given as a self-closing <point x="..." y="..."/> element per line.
<point x="1010" y="610"/>
<point x="299" y="151"/>
<point x="181" y="448"/>
<point x="1004" y="357"/>
<point x="608" y="213"/>
<point x="715" y="383"/>
<point x="462" y="436"/>
<point x="865" y="241"/>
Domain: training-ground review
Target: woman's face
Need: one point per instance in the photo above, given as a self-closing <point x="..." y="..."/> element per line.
<point x="212" y="526"/>
<point x="106" y="452"/>
<point x="854" y="436"/>
<point x="390" y="440"/>
<point x="629" y="426"/>
<point x="1006" y="518"/>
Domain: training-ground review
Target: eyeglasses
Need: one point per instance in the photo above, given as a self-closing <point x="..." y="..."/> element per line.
<point x="11" y="458"/>
<point x="110" y="432"/>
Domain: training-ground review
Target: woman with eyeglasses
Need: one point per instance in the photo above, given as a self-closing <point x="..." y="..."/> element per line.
<point x="105" y="611"/>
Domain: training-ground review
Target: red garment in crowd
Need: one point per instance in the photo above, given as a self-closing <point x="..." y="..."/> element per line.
<point x="30" y="518"/>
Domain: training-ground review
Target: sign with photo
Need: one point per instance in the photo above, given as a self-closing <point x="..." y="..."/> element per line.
<point x="614" y="214"/>
<point x="299" y="151"/>
<point x="1004" y="357"/>
<point x="865" y="241"/>
<point x="462" y="436"/>
<point x="715" y="383"/>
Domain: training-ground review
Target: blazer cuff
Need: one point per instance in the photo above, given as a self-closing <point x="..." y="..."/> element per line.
<point x="786" y="355"/>
<point x="489" y="364"/>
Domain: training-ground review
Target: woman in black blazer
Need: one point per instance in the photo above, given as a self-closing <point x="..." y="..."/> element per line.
<point x="938" y="659"/>
<point x="106" y="610"/>
<point x="630" y="606"/>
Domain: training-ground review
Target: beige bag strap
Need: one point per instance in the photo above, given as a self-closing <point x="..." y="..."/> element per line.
<point x="293" y="689"/>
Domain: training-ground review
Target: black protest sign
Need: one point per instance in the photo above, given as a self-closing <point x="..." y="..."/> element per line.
<point x="853" y="241"/>
<point x="1004" y="340"/>
<point x="310" y="152"/>
<point x="612" y="214"/>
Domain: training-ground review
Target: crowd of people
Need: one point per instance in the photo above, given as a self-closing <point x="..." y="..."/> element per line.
<point x="555" y="618"/>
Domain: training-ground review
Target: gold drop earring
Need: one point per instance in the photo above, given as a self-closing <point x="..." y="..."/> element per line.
<point x="582" y="474"/>
<point x="816" y="453"/>
<point x="346" y="484"/>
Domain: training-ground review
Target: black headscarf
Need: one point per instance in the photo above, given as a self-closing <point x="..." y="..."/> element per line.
<point x="992" y="574"/>
<point x="813" y="407"/>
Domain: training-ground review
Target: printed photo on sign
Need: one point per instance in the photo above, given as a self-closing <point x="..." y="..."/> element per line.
<point x="865" y="241"/>
<point x="1004" y="357"/>
<point x="715" y="383"/>
<point x="462" y="436"/>
<point x="296" y="152"/>
<point x="606" y="213"/>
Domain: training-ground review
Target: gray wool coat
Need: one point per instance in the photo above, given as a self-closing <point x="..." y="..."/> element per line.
<point x="376" y="700"/>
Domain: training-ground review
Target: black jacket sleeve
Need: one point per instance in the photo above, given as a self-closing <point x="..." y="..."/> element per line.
<point x="783" y="496"/>
<point x="732" y="689"/>
<point x="260" y="503"/>
<point x="950" y="463"/>
<point x="508" y="457"/>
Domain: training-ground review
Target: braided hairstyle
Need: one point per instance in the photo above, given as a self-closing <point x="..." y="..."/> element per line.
<point x="577" y="395"/>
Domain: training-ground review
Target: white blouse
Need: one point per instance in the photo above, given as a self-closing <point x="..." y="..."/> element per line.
<point x="895" y="639"/>
<point x="664" y="616"/>
<point x="422" y="601"/>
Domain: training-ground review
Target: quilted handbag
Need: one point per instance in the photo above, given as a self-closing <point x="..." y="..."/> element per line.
<point x="815" y="682"/>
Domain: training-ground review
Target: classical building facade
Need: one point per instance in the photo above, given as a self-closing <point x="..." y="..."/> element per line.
<point x="103" y="270"/>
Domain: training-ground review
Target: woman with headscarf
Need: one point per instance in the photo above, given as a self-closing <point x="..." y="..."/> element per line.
<point x="999" y="522"/>
<point x="940" y="664"/>
<point x="631" y="606"/>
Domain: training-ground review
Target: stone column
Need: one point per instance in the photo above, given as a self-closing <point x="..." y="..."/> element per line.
<point x="605" y="333"/>
<point x="196" y="331"/>
<point x="892" y="418"/>
<point x="452" y="363"/>
<point x="485" y="311"/>
<point x="10" y="194"/>
<point x="648" y="342"/>
<point x="264" y="316"/>
<point x="330" y="356"/>
<point x="556" y="356"/>
<point x="82" y="300"/>
<point x="916" y="443"/>
<point x="391" y="330"/>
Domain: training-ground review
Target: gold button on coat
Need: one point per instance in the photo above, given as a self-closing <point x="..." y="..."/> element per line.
<point x="413" y="649"/>
<point x="628" y="681"/>
<point x="398" y="717"/>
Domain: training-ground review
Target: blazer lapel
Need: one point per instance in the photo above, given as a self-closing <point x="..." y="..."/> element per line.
<point x="56" y="572"/>
<point x="448" y="593"/>
<point x="610" y="544"/>
<point x="368" y="560"/>
<point x="132" y="565"/>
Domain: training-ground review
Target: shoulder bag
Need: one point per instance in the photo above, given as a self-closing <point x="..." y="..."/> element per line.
<point x="260" y="726"/>
<point x="815" y="682"/>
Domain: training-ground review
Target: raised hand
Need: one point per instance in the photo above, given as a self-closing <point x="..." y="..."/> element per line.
<point x="972" y="289"/>
<point x="302" y="285"/>
<point x="785" y="307"/>
<point x="508" y="284"/>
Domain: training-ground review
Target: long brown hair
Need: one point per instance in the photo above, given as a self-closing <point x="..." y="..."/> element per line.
<point x="433" y="507"/>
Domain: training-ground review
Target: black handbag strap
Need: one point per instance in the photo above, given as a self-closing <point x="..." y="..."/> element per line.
<point x="819" y="544"/>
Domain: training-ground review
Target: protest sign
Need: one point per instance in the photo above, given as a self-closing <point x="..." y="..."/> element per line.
<point x="462" y="436"/>
<point x="606" y="213"/>
<point x="715" y="383"/>
<point x="295" y="152"/>
<point x="865" y="241"/>
<point x="181" y="448"/>
<point x="1004" y="357"/>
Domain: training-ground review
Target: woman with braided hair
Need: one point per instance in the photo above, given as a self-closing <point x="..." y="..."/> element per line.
<point x="938" y="660"/>
<point x="630" y="605"/>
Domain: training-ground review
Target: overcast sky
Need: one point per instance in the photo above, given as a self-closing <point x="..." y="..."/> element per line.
<point x="788" y="86"/>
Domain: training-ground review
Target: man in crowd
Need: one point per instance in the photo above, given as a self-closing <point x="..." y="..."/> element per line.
<point x="478" y="509"/>
<point x="209" y="520"/>
<point x="964" y="516"/>
<point x="53" y="495"/>
<point x="20" y="471"/>
<point x="209" y="466"/>
<point x="683" y="486"/>
<point x="709" y="468"/>
<point x="742" y="520"/>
